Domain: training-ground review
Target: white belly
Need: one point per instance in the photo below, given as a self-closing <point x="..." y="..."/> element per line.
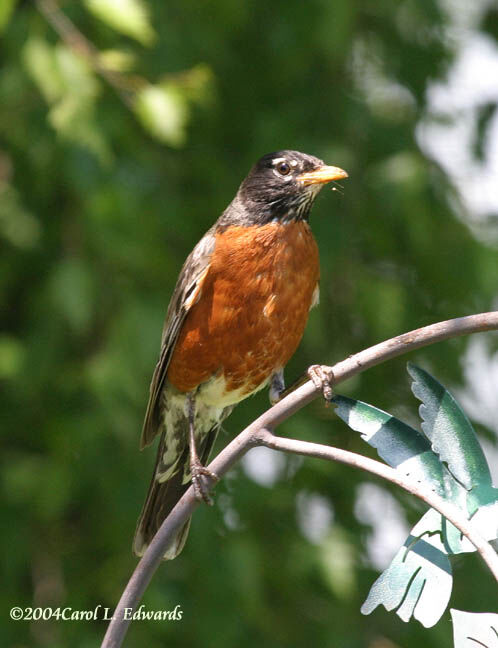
<point x="214" y="392"/>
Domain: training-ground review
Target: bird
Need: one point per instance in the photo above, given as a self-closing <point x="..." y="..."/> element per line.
<point x="236" y="316"/>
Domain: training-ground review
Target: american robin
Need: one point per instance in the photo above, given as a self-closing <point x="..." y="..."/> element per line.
<point x="236" y="316"/>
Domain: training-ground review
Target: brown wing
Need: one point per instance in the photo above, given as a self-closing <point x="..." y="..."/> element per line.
<point x="187" y="291"/>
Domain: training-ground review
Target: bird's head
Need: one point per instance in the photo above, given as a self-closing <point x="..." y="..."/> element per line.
<point x="282" y="186"/>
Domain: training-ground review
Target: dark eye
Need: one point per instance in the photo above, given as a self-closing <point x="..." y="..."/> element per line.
<point x="283" y="168"/>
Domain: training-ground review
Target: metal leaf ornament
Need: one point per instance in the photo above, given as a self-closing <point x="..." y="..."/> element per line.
<point x="447" y="457"/>
<point x="471" y="630"/>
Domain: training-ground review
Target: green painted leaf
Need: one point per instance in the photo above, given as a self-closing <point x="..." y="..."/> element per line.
<point x="418" y="581"/>
<point x="482" y="496"/>
<point x="406" y="449"/>
<point x="449" y="430"/>
<point x="474" y="630"/>
<point x="457" y="494"/>
<point x="390" y="588"/>
<point x="433" y="523"/>
<point x="429" y="524"/>
<point x="401" y="446"/>
<point x="480" y="504"/>
<point x="485" y="522"/>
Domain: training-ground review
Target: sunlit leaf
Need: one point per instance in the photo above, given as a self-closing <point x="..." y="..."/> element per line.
<point x="40" y="61"/>
<point x="117" y="60"/>
<point x="70" y="87"/>
<point x="164" y="112"/>
<point x="196" y="83"/>
<point x="449" y="430"/>
<point x="130" y="17"/>
<point x="400" y="445"/>
<point x="75" y="121"/>
<point x="76" y="73"/>
<point x="474" y="630"/>
<point x="6" y="9"/>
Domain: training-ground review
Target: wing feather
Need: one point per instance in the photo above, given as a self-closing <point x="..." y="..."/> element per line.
<point x="187" y="292"/>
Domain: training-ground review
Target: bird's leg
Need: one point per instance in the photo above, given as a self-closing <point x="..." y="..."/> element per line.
<point x="322" y="379"/>
<point x="197" y="470"/>
<point x="277" y="386"/>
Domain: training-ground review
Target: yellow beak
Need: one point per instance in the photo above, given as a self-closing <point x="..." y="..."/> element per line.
<point x="322" y="175"/>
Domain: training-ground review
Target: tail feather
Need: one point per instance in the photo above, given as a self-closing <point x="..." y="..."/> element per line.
<point x="162" y="497"/>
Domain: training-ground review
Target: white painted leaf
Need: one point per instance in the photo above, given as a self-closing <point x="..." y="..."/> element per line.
<point x="474" y="630"/>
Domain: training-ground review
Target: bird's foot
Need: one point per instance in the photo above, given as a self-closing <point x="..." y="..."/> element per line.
<point x="277" y="387"/>
<point x="201" y="487"/>
<point x="322" y="378"/>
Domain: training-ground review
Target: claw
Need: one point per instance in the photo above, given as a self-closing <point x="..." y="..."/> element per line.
<point x="322" y="379"/>
<point x="201" y="489"/>
<point x="277" y="387"/>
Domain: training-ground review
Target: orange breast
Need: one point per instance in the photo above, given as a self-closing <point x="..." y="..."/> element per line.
<point x="252" y="310"/>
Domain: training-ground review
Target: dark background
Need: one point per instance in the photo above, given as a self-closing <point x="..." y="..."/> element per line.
<point x="105" y="188"/>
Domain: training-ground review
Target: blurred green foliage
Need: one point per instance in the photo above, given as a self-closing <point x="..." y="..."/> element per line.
<point x="116" y="154"/>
